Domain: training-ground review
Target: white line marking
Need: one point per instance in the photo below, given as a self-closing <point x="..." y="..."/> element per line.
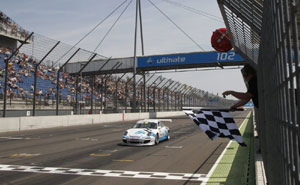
<point x="108" y="151"/>
<point x="17" y="138"/>
<point x="176" y="147"/>
<point x="111" y="126"/>
<point x="221" y="156"/>
<point x="106" y="173"/>
<point x="13" y="138"/>
<point x="87" y="139"/>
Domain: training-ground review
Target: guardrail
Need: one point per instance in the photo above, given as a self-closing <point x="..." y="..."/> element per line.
<point x="40" y="122"/>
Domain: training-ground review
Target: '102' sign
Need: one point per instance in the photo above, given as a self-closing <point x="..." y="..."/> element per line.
<point x="221" y="56"/>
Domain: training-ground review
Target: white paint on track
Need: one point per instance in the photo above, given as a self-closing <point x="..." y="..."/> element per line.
<point x="104" y="173"/>
<point x="13" y="138"/>
<point x="175" y="147"/>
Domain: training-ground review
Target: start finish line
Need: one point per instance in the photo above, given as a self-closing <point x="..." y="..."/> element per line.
<point x="195" y="59"/>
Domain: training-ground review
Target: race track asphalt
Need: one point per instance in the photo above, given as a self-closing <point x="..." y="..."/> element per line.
<point x="76" y="155"/>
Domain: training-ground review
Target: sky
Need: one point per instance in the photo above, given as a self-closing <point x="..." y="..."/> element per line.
<point x="69" y="20"/>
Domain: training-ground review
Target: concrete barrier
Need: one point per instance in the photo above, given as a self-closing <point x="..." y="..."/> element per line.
<point x="109" y="118"/>
<point x="39" y="122"/>
<point x="169" y="114"/>
<point x="135" y="116"/>
<point x="80" y="119"/>
<point x="9" y="124"/>
<point x="28" y="123"/>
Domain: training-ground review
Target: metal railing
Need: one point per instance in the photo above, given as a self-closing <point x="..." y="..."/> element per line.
<point x="266" y="33"/>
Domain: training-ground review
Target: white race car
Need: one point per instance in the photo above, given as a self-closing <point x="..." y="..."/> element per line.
<point x="147" y="132"/>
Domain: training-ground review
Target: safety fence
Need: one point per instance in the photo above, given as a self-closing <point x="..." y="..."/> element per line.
<point x="271" y="27"/>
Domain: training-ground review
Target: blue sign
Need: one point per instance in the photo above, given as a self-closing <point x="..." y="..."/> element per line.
<point x="188" y="58"/>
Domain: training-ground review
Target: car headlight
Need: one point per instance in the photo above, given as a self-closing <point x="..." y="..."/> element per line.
<point x="149" y="134"/>
<point x="125" y="133"/>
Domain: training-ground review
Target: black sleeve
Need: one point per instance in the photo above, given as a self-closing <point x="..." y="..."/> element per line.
<point x="253" y="90"/>
<point x="252" y="87"/>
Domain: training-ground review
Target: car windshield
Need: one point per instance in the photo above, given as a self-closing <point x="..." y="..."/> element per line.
<point x="145" y="125"/>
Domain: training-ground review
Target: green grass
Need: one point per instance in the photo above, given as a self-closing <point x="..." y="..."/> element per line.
<point x="237" y="165"/>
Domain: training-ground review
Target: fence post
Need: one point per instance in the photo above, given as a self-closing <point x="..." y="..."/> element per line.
<point x="6" y="73"/>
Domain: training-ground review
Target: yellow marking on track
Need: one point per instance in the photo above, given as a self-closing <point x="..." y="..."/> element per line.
<point x="100" y="155"/>
<point x="23" y="155"/>
<point x="128" y="161"/>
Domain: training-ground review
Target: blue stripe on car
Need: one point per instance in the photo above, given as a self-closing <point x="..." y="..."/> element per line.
<point x="140" y="132"/>
<point x="163" y="138"/>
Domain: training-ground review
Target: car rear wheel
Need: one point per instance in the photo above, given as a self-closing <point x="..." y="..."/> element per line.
<point x="168" y="136"/>
<point x="157" y="139"/>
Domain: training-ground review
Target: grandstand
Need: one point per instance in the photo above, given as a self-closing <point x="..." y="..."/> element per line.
<point x="97" y="92"/>
<point x="21" y="79"/>
<point x="11" y="32"/>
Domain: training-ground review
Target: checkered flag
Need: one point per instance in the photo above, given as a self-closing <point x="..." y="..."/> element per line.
<point x="216" y="123"/>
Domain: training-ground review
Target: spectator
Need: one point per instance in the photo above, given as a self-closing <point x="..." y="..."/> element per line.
<point x="1" y="17"/>
<point x="249" y="75"/>
<point x="22" y="95"/>
<point x="40" y="92"/>
<point x="11" y="27"/>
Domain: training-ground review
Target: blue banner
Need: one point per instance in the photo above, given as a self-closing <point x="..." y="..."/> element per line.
<point x="188" y="58"/>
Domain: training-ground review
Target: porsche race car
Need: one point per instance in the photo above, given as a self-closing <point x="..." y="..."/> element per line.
<point x="147" y="132"/>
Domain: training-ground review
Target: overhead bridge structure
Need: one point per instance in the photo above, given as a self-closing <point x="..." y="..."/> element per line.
<point x="157" y="62"/>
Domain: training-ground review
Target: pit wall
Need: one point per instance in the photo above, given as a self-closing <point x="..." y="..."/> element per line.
<point x="39" y="122"/>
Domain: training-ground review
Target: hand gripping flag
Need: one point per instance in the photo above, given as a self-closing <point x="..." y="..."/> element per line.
<point x="216" y="123"/>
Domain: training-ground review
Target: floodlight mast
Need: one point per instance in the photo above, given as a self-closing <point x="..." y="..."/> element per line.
<point x="138" y="17"/>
